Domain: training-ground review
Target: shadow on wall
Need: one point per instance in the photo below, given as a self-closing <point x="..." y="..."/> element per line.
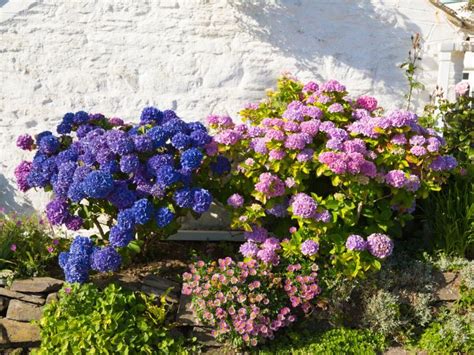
<point x="3" y="2"/>
<point x="7" y="199"/>
<point x="321" y="35"/>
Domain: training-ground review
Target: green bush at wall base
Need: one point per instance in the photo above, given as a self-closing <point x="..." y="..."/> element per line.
<point x="86" y="320"/>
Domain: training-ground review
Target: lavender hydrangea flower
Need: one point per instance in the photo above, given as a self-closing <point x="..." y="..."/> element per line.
<point x="309" y="247"/>
<point x="202" y="200"/>
<point x="336" y="108"/>
<point x="356" y="243"/>
<point x="249" y="249"/>
<point x="57" y="211"/>
<point x="21" y="175"/>
<point x="235" y="200"/>
<point x="257" y="235"/>
<point x="25" y="142"/>
<point x="303" y="205"/>
<point x="396" y="178"/>
<point x="379" y="245"/>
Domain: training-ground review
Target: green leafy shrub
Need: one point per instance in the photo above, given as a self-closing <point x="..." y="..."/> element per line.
<point x="112" y="321"/>
<point x="26" y="246"/>
<point x="451" y="333"/>
<point x="334" y="341"/>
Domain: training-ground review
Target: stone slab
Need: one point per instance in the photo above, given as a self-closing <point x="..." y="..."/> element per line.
<point x="52" y="297"/>
<point x="185" y="315"/>
<point x="37" y="285"/>
<point x="171" y="297"/>
<point x="23" y="311"/>
<point x="21" y="296"/>
<point x="161" y="283"/>
<point x="12" y="331"/>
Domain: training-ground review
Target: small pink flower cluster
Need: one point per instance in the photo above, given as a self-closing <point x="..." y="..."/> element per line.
<point x="249" y="301"/>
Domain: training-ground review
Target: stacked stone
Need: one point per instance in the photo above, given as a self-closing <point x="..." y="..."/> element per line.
<point x="21" y="303"/>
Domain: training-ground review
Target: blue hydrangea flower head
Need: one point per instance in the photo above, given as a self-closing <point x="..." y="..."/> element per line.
<point x="166" y="175"/>
<point x="221" y="166"/>
<point x="181" y="141"/>
<point x="121" y="197"/>
<point x="119" y="142"/>
<point x="158" y="136"/>
<point x="202" y="200"/>
<point x="80" y="117"/>
<point x="143" y="143"/>
<point x="41" y="135"/>
<point x="200" y="138"/>
<point x="143" y="210"/>
<point x="197" y="126"/>
<point x="81" y="245"/>
<point x="168" y="115"/>
<point x="126" y="219"/>
<point x="184" y="198"/>
<point x="151" y="114"/>
<point x="129" y="163"/>
<point x="119" y="237"/>
<point x="105" y="259"/>
<point x="68" y="118"/>
<point x="174" y="126"/>
<point x="77" y="268"/>
<point x="49" y="144"/>
<point x="98" y="184"/>
<point x="163" y="217"/>
<point x="64" y="128"/>
<point x="157" y="161"/>
<point x="191" y="158"/>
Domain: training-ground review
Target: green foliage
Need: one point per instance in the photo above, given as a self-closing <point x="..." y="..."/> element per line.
<point x="86" y="320"/>
<point x="334" y="341"/>
<point x="26" y="247"/>
<point x="451" y="333"/>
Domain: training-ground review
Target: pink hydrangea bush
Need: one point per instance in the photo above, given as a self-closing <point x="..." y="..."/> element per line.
<point x="314" y="160"/>
<point x="248" y="302"/>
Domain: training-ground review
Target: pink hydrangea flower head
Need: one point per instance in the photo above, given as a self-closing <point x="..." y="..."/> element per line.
<point x="368" y="103"/>
<point x="270" y="185"/>
<point x="379" y="245"/>
<point x="462" y="88"/>
<point x="303" y="205"/>
<point x="235" y="200"/>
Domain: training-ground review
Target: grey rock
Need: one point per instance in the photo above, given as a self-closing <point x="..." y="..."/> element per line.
<point x="203" y="335"/>
<point x="37" y="285"/>
<point x="449" y="290"/>
<point x="12" y="331"/>
<point x="23" y="311"/>
<point x="21" y="296"/>
<point x="185" y="315"/>
<point x="3" y="303"/>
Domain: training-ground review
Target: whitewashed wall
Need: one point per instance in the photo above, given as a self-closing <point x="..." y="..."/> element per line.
<point x="195" y="56"/>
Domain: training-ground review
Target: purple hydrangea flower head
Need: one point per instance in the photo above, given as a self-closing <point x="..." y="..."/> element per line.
<point x="268" y="256"/>
<point x="291" y="126"/>
<point x="21" y="175"/>
<point x="445" y="162"/>
<point x="151" y="114"/>
<point x="169" y="115"/>
<point x="259" y="146"/>
<point x="310" y="127"/>
<point x="418" y="151"/>
<point x="25" y="142"/>
<point x="157" y="161"/>
<point x="271" y="243"/>
<point x="434" y="144"/>
<point x="116" y="122"/>
<point x="276" y="154"/>
<point x="74" y="223"/>
<point x="396" y="178"/>
<point x="399" y="139"/>
<point x="324" y="216"/>
<point x="303" y="205"/>
<point x="379" y="245"/>
<point x="83" y="130"/>
<point x="295" y="111"/>
<point x="163" y="217"/>
<point x="400" y="118"/>
<point x="311" y="86"/>
<point x="235" y="201"/>
<point x="417" y="140"/>
<point x="200" y="138"/>
<point x="143" y="210"/>
<point x="202" y="200"/>
<point x="105" y="259"/>
<point x="129" y="163"/>
<point x="249" y="249"/>
<point x="57" y="211"/>
<point x="279" y="210"/>
<point x="228" y="137"/>
<point x="98" y="184"/>
<point x="143" y="143"/>
<point x="191" y="158"/>
<point x="335" y="144"/>
<point x="413" y="183"/>
<point x="270" y="185"/>
<point x="326" y="126"/>
<point x="298" y="141"/>
<point x="309" y="247"/>
<point x="313" y="112"/>
<point x="119" y="142"/>
<point x="257" y="235"/>
<point x="336" y="108"/>
<point x="356" y="242"/>
<point x="333" y="86"/>
<point x="368" y="103"/>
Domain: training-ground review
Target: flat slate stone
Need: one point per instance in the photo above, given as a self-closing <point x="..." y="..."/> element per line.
<point x="37" y="285"/>
<point x="3" y="303"/>
<point x="12" y="331"/>
<point x="203" y="335"/>
<point x="23" y="311"/>
<point x="449" y="288"/>
<point x="161" y="283"/>
<point x="21" y="296"/>
<point x="52" y="297"/>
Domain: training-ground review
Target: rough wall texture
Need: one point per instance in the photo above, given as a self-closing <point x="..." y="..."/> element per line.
<point x="195" y="56"/>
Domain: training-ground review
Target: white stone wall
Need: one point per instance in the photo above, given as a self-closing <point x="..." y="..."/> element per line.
<point x="195" y="56"/>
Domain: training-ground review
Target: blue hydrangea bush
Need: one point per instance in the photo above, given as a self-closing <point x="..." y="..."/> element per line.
<point x="127" y="181"/>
